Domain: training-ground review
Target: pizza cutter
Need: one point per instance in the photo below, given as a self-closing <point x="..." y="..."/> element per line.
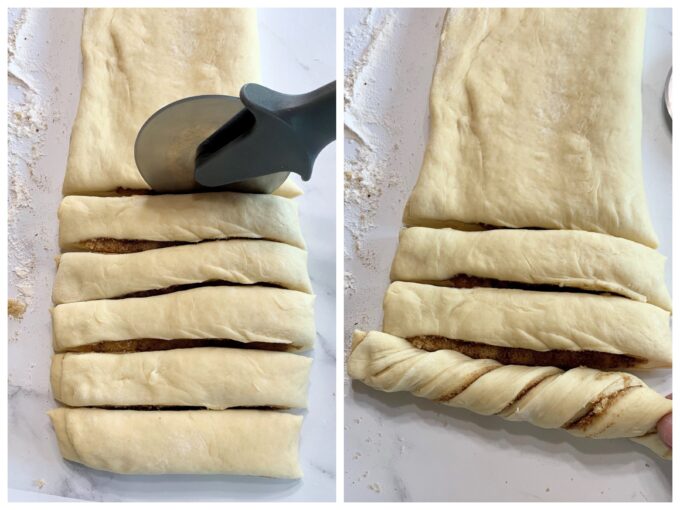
<point x="249" y="143"/>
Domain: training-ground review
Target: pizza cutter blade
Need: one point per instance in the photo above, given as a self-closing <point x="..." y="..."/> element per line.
<point x="247" y="144"/>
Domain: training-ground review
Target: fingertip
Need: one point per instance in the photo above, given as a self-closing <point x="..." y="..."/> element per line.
<point x="665" y="429"/>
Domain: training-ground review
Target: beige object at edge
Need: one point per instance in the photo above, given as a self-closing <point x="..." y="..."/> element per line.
<point x="211" y="377"/>
<point x="235" y="442"/>
<point x="241" y="313"/>
<point x="583" y="401"/>
<point x="537" y="320"/>
<point x="185" y="218"/>
<point x="85" y="276"/>
<point x="548" y="138"/>
<point x="566" y="258"/>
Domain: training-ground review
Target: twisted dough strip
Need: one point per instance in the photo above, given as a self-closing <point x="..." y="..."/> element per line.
<point x="583" y="401"/>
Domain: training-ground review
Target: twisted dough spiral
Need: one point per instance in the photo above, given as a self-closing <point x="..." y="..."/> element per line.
<point x="583" y="401"/>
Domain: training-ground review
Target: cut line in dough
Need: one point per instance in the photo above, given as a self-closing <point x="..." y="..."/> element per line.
<point x="155" y="344"/>
<point x="231" y="442"/>
<point x="517" y="356"/>
<point x="87" y="276"/>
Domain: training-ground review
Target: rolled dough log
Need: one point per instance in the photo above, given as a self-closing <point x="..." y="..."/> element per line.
<point x="211" y="377"/>
<point x="583" y="401"/>
<point x="136" y="61"/>
<point x="541" y="321"/>
<point x="535" y="121"/>
<point x="235" y="442"/>
<point x="86" y="276"/>
<point x="566" y="258"/>
<point x="186" y="218"/>
<point x="243" y="314"/>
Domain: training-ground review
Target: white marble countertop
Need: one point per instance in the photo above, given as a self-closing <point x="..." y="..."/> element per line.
<point x="298" y="54"/>
<point x="402" y="448"/>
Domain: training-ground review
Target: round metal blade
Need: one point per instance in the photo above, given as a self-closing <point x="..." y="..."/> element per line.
<point x="165" y="148"/>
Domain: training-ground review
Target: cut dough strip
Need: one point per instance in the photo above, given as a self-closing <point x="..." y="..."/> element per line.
<point x="211" y="377"/>
<point x="234" y="442"/>
<point x="176" y="219"/>
<point x="583" y="401"/>
<point x="240" y="313"/>
<point x="564" y="258"/>
<point x="86" y="276"/>
<point x="548" y="139"/>
<point x="540" y="321"/>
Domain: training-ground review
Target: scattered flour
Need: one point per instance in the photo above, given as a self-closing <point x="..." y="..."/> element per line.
<point x="350" y="282"/>
<point x="367" y="172"/>
<point x="27" y="123"/>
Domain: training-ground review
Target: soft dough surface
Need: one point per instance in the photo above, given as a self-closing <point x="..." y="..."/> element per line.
<point x="86" y="276"/>
<point x="185" y="218"/>
<point x="211" y="377"/>
<point x="536" y="122"/>
<point x="243" y="314"/>
<point x="235" y="442"/>
<point x="541" y="321"/>
<point x="583" y="401"/>
<point x="565" y="258"/>
<point x="137" y="60"/>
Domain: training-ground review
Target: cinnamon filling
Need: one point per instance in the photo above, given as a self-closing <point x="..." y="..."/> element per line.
<point x="127" y="192"/>
<point x="465" y="281"/>
<point x="525" y="391"/>
<point x="154" y="344"/>
<point x="517" y="356"/>
<point x="108" y="245"/>
<point x="471" y="378"/>
<point x="598" y="408"/>
<point x="189" y="286"/>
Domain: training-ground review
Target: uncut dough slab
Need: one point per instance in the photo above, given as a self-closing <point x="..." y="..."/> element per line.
<point x="211" y="377"/>
<point x="186" y="218"/>
<point x="241" y="313"/>
<point x="536" y="320"/>
<point x="584" y="402"/>
<point x="137" y="60"/>
<point x="566" y="258"/>
<point x="235" y="442"/>
<point x="87" y="276"/>
<point x="535" y="121"/>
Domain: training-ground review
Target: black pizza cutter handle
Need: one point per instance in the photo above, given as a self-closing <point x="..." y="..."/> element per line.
<point x="274" y="132"/>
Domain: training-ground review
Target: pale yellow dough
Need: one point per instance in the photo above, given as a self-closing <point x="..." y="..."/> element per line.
<point x="86" y="276"/>
<point x="243" y="314"/>
<point x="186" y="218"/>
<point x="234" y="442"/>
<point x="622" y="405"/>
<point x="211" y="377"/>
<point x="136" y="61"/>
<point x="566" y="258"/>
<point x="541" y="321"/>
<point x="535" y="121"/>
<point x="288" y="189"/>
